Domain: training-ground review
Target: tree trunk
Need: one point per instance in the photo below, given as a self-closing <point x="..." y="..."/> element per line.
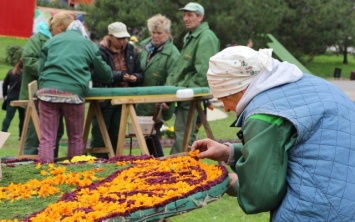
<point x="345" y="54"/>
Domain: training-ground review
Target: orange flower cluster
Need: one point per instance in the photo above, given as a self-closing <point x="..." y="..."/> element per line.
<point x="195" y="153"/>
<point x="55" y="176"/>
<point x="147" y="184"/>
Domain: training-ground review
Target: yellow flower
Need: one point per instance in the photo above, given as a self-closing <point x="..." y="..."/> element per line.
<point x="82" y="158"/>
<point x="38" y="166"/>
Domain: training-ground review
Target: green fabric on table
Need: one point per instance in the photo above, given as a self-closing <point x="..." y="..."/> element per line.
<point x="139" y="91"/>
<point x="191" y="202"/>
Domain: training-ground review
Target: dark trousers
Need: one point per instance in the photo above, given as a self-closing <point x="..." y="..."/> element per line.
<point x="153" y="142"/>
<point x="10" y="113"/>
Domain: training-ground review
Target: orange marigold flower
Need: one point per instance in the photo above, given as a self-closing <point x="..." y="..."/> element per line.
<point x="195" y="153"/>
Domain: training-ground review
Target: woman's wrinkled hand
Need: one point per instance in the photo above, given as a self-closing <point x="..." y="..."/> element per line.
<point x="231" y="190"/>
<point x="211" y="149"/>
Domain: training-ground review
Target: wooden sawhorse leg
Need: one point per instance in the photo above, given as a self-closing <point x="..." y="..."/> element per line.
<point x="195" y="105"/>
<point x="31" y="113"/>
<point x="204" y="121"/>
<point x="94" y="108"/>
<point x="128" y="110"/>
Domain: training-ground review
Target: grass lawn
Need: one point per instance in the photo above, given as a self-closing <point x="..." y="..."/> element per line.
<point x="324" y="65"/>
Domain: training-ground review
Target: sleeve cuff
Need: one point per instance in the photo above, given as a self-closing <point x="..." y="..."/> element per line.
<point x="231" y="159"/>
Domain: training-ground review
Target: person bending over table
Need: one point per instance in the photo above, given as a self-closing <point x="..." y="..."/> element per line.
<point x="30" y="56"/>
<point x="296" y="156"/>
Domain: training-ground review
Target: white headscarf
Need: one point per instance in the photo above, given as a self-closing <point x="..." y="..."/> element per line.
<point x="232" y="70"/>
<point x="78" y="25"/>
<point x="235" y="68"/>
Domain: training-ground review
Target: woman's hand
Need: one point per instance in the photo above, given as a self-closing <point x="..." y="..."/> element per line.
<point x="231" y="190"/>
<point x="129" y="78"/>
<point x="211" y="149"/>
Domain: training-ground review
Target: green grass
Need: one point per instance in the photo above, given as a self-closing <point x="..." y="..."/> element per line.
<point x="4" y="42"/>
<point x="324" y="65"/>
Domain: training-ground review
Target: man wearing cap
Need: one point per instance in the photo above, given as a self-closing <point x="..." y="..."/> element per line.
<point x="124" y="61"/>
<point x="296" y="158"/>
<point x="200" y="43"/>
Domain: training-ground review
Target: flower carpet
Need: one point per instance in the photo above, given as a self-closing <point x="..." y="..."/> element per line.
<point x="124" y="188"/>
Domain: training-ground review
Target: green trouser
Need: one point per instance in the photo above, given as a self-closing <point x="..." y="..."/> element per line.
<point x="181" y="116"/>
<point x="32" y="142"/>
<point x="112" y="119"/>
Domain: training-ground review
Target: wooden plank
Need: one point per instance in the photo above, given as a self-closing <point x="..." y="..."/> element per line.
<point x="189" y="124"/>
<point x="154" y="99"/>
<point x="204" y="121"/>
<point x="122" y="131"/>
<point x="87" y="125"/>
<point x="19" y="102"/>
<point x="103" y="129"/>
<point x="3" y="137"/>
<point x="137" y="129"/>
<point x="31" y="113"/>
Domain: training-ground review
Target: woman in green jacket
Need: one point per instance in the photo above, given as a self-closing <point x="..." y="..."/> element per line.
<point x="158" y="58"/>
<point x="30" y="57"/>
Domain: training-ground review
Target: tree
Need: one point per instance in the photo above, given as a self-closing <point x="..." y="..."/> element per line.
<point x="345" y="23"/>
<point x="310" y="26"/>
<point x="231" y="20"/>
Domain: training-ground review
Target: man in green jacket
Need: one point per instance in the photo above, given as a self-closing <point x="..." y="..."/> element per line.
<point x="200" y="43"/>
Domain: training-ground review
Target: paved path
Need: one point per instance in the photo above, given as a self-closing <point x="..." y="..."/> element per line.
<point x="347" y="86"/>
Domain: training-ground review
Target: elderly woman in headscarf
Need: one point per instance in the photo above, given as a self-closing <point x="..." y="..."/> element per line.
<point x="296" y="156"/>
<point x="64" y="67"/>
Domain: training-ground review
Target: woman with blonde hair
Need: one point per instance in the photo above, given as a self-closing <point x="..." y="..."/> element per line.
<point x="30" y="56"/>
<point x="63" y="86"/>
<point x="158" y="58"/>
<point x="60" y="22"/>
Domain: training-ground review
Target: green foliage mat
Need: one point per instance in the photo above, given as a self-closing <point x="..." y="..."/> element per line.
<point x="189" y="203"/>
<point x="27" y="171"/>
